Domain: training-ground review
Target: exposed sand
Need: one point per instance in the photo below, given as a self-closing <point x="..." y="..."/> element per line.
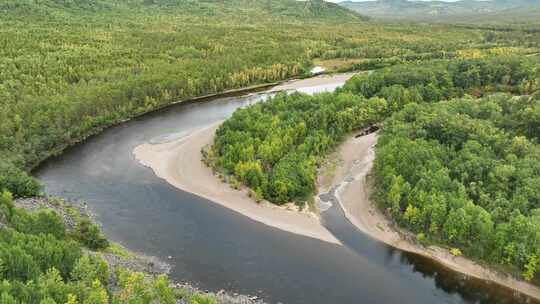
<point x="356" y="157"/>
<point x="180" y="163"/>
<point x="313" y="81"/>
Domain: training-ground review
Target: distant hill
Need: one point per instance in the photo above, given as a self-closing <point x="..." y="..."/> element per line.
<point x="437" y="10"/>
<point x="312" y="9"/>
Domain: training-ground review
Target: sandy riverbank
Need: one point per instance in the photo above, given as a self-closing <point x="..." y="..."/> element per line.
<point x="320" y="80"/>
<point x="180" y="163"/>
<point x="350" y="176"/>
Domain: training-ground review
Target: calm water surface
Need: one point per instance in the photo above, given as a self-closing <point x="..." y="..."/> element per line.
<point x="215" y="248"/>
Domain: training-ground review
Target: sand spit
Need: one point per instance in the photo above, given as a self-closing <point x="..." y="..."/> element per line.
<point x="313" y="82"/>
<point x="180" y="163"/>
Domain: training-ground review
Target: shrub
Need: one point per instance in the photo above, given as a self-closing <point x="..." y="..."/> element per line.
<point x="90" y="235"/>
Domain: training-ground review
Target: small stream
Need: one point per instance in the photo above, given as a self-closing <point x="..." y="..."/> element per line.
<point x="215" y="248"/>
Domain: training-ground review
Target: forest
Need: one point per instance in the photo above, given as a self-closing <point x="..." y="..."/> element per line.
<point x="69" y="69"/>
<point x="465" y="172"/>
<point x="457" y="162"/>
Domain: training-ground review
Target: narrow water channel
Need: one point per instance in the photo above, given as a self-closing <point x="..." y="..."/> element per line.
<point x="215" y="248"/>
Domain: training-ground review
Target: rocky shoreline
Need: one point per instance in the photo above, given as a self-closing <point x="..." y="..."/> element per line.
<point x="118" y="256"/>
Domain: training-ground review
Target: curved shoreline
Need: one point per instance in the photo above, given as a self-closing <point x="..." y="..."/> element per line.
<point x="352" y="190"/>
<point x="272" y="87"/>
<point x="180" y="163"/>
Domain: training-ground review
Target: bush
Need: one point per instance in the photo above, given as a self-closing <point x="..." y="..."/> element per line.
<point x="6" y="206"/>
<point x="17" y="181"/>
<point x="201" y="299"/>
<point x="90" y="235"/>
<point x="41" y="222"/>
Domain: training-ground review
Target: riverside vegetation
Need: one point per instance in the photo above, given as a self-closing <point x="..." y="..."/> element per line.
<point x="44" y="261"/>
<point x="455" y="164"/>
<point x="69" y="69"/>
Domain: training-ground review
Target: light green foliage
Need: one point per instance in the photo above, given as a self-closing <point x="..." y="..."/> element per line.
<point x="532" y="267"/>
<point x="136" y="289"/>
<point x="90" y="269"/>
<point x="6" y="206"/>
<point x="456" y="252"/>
<point x="202" y="299"/>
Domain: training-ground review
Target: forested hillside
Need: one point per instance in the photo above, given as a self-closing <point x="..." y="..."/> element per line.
<point x="71" y="68"/>
<point x="440" y="11"/>
<point x="312" y="10"/>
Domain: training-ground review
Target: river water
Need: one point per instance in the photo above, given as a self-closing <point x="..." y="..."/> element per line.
<point x="215" y="248"/>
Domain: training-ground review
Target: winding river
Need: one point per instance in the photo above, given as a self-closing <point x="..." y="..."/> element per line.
<point x="215" y="248"/>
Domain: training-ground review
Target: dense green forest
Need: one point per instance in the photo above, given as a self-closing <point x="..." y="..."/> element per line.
<point x="466" y="173"/>
<point x="275" y="147"/>
<point x="44" y="262"/>
<point x="68" y="69"/>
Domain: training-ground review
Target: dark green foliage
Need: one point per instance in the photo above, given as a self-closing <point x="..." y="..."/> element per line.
<point x="17" y="181"/>
<point x="461" y="172"/>
<point x="274" y="147"/>
<point x="89" y="234"/>
<point x="41" y="222"/>
<point x="444" y="79"/>
<point x="25" y="256"/>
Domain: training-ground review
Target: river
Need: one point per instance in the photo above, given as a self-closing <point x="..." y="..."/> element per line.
<point x="215" y="248"/>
